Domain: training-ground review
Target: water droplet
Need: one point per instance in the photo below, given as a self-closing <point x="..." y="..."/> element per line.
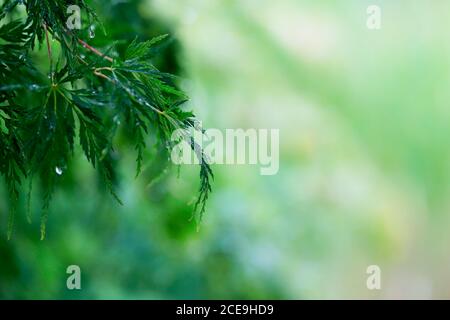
<point x="92" y="31"/>
<point x="58" y="171"/>
<point x="104" y="152"/>
<point x="116" y="119"/>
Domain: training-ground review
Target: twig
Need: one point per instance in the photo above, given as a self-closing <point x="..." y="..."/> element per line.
<point x="49" y="48"/>
<point x="101" y="75"/>
<point x="97" y="52"/>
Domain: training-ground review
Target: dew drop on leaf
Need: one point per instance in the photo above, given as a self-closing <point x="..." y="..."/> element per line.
<point x="92" y="32"/>
<point x="58" y="171"/>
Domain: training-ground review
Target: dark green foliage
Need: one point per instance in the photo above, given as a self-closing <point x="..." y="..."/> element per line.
<point x="85" y="98"/>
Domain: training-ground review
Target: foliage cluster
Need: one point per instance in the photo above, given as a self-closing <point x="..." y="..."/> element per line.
<point x="83" y="97"/>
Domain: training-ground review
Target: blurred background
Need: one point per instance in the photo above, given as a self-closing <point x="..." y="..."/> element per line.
<point x="364" y="176"/>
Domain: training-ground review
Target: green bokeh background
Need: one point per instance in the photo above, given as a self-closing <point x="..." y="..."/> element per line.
<point x="364" y="178"/>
